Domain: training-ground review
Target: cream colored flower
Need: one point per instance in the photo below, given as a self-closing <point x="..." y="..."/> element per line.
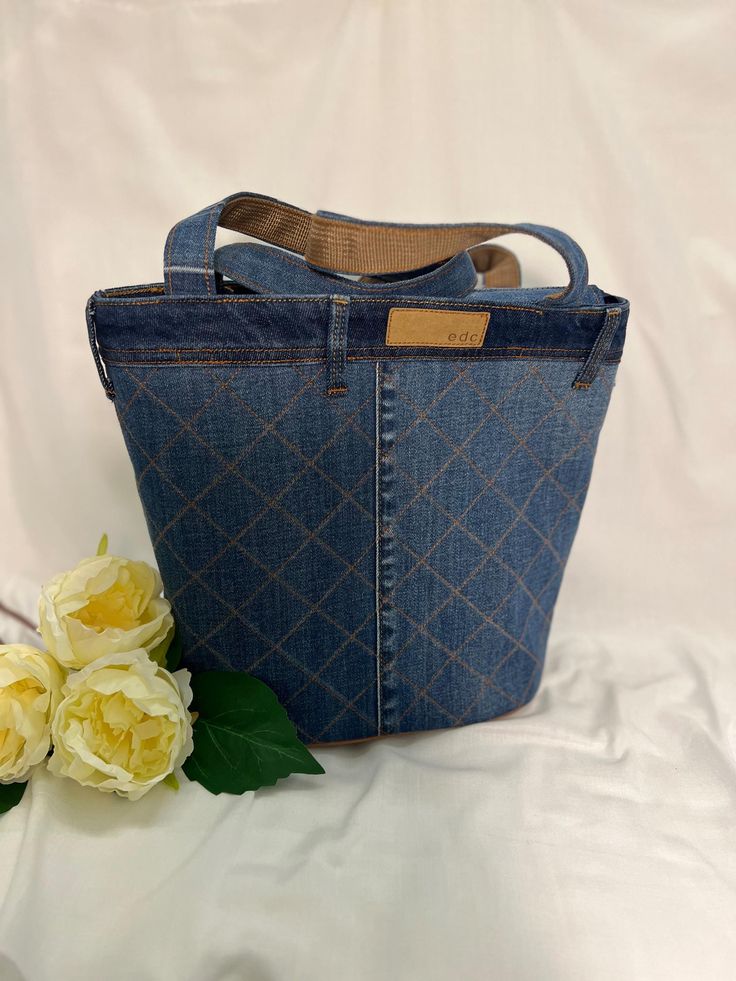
<point x="105" y="604"/>
<point x="30" y="690"/>
<point x="123" y="724"/>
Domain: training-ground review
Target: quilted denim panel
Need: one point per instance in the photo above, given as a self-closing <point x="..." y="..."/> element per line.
<point x="259" y="493"/>
<point x="260" y="496"/>
<point x="485" y="467"/>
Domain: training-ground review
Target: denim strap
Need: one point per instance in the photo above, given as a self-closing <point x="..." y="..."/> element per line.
<point x="341" y="244"/>
<point x="264" y="269"/>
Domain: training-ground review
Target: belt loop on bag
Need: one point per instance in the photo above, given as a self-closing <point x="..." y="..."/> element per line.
<point x="92" y="334"/>
<point x="586" y="376"/>
<point x="337" y="342"/>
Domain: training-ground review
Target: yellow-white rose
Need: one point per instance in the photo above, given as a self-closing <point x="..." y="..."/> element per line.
<point x="105" y="604"/>
<point x="123" y="724"/>
<point x="30" y="690"/>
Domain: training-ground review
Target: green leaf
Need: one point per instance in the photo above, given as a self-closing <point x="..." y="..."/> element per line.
<point x="10" y="795"/>
<point x="102" y="547"/>
<point x="171" y="781"/>
<point x="243" y="738"/>
<point x="173" y="652"/>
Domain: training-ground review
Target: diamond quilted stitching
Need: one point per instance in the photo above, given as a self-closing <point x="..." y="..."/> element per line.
<point x="551" y="438"/>
<point x="352" y="548"/>
<point x="193" y="534"/>
<point x="503" y="521"/>
<point x="192" y="479"/>
<point x="290" y="383"/>
<point x="277" y="608"/>
<point x="346" y="673"/>
<point x="496" y="385"/>
<point x="427" y="383"/>
<point x="457" y="485"/>
<point x="490" y="517"/>
<point x="537" y="574"/>
<point x="236" y="578"/>
<point x="488" y="585"/>
<point x="489" y="648"/>
<point x="243" y="428"/>
<point x="458" y="413"/>
<point x="450" y="690"/>
<point x="423" y="453"/>
<point x="424" y="518"/>
<point x="493" y="450"/>
<point x="417" y="589"/>
<point x="422" y="711"/>
<point x="513" y="673"/>
<point x="275" y="538"/>
<point x="312" y="572"/>
<point x="564" y="528"/>
<point x="519" y="548"/>
<point x="419" y="661"/>
<point x="454" y="623"/>
<point x="231" y="503"/>
<point x="199" y="613"/>
<point x="312" y="642"/>
<point x="462" y="430"/>
<point x="268" y="467"/>
<point x="251" y="475"/>
<point x="515" y="482"/>
<point x="456" y="548"/>
<point x="183" y="399"/>
<point x="242" y="646"/>
<point x="312" y="498"/>
<point x="311" y="440"/>
<point x="352" y="596"/>
<point x="523" y="407"/>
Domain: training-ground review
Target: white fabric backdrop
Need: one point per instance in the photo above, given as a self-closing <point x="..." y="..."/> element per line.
<point x="592" y="835"/>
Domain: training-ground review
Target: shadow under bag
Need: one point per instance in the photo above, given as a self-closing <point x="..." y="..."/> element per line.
<point x="362" y="473"/>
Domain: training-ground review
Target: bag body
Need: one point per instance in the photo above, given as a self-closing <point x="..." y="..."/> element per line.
<point x="361" y="490"/>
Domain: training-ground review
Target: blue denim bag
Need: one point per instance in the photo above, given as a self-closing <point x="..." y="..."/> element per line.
<point x="362" y="472"/>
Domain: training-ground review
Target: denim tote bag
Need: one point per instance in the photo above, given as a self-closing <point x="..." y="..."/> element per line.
<point x="362" y="468"/>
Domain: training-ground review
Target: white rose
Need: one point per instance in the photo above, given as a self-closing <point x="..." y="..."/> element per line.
<point x="105" y="604"/>
<point x="123" y="724"/>
<point x="30" y="690"/>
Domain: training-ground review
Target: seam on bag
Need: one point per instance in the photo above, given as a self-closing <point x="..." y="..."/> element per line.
<point x="315" y="347"/>
<point x="378" y="520"/>
<point x="404" y="301"/>
<point x="194" y="362"/>
<point x="407" y="301"/>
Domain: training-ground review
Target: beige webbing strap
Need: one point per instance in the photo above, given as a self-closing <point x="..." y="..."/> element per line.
<point x="271" y="221"/>
<point x="352" y="246"/>
<point x="289" y="227"/>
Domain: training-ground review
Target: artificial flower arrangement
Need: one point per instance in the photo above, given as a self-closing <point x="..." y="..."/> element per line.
<point x="107" y="705"/>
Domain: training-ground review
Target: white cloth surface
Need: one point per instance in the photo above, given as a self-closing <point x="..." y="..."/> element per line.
<point x="590" y="836"/>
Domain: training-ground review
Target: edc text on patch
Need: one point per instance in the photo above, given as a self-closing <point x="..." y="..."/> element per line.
<point x="417" y="327"/>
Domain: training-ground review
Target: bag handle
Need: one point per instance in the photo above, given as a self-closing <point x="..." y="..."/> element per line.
<point x="265" y="269"/>
<point x="340" y="244"/>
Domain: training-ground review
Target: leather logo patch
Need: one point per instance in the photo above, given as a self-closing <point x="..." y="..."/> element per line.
<point x="417" y="327"/>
